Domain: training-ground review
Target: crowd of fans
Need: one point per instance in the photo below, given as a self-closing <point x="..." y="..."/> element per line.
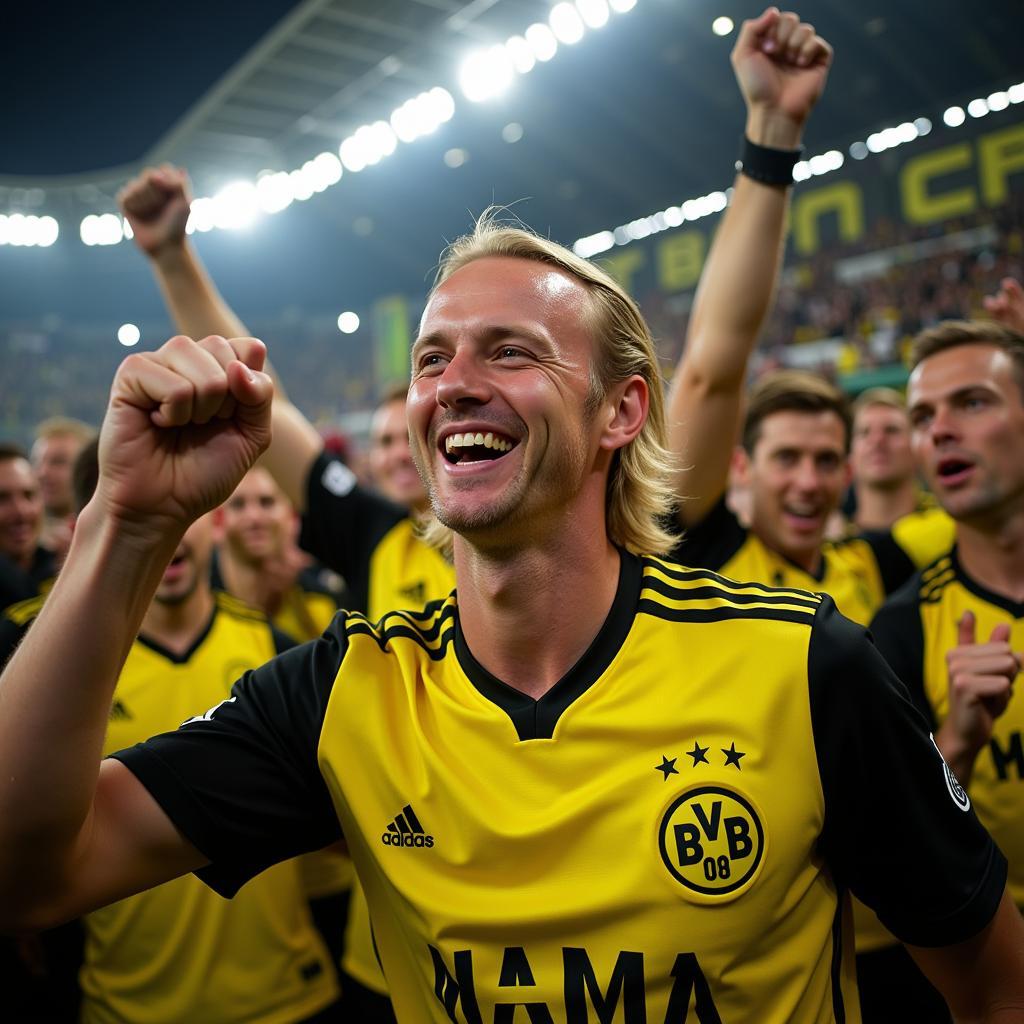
<point x="902" y="513"/>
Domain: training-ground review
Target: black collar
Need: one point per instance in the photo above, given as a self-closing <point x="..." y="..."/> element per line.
<point x="1015" y="608"/>
<point x="536" y="719"/>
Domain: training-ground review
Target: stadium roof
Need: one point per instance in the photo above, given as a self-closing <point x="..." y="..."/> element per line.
<point x="641" y="113"/>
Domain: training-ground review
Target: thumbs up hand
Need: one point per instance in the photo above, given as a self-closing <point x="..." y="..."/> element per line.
<point x="981" y="679"/>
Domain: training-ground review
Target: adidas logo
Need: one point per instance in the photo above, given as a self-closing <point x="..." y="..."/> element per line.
<point x="406" y="830"/>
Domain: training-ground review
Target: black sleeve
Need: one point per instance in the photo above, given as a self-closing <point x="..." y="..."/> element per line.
<point x="894" y="564"/>
<point x="899" y="830"/>
<point x="344" y="523"/>
<point x="282" y="641"/>
<point x="242" y="782"/>
<point x="899" y="636"/>
<point x="710" y="543"/>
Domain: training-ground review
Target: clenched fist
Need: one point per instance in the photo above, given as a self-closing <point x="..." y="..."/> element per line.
<point x="156" y="204"/>
<point x="183" y="426"/>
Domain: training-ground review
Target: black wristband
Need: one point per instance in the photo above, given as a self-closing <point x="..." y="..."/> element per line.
<point x="766" y="165"/>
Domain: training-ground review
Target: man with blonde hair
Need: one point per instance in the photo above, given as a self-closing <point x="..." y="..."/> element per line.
<point x="509" y="766"/>
<point x="58" y="441"/>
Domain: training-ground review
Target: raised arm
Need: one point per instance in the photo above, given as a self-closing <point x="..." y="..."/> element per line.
<point x="182" y="427"/>
<point x="156" y="205"/>
<point x="781" y="66"/>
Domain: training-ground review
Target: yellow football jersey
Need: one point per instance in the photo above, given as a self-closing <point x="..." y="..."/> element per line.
<point x="375" y="547"/>
<point x="915" y="630"/>
<point x="179" y="952"/>
<point x="856" y="573"/>
<point x="670" y="828"/>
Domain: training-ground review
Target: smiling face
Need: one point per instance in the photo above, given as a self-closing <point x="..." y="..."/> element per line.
<point x="797" y="474"/>
<point x="968" y="430"/>
<point x="21" y="511"/>
<point x="256" y="519"/>
<point x="501" y="408"/>
<point x="391" y="467"/>
<point x="189" y="569"/>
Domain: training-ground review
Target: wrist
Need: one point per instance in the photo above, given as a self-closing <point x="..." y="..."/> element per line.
<point x="171" y="256"/>
<point x="773" y="129"/>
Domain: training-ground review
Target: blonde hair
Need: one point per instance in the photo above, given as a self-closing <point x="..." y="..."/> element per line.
<point x="640" y="497"/>
<point x="65" y="426"/>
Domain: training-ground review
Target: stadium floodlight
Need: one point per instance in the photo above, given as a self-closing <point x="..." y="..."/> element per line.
<point x="566" y="23"/>
<point x="105" y="229"/>
<point x="18" y="229"/>
<point x="622" y="6"/>
<point x="128" y="335"/>
<point x="274" y="192"/>
<point x="352" y="156"/>
<point x="442" y="104"/>
<point x="407" y="121"/>
<point x="5" y="231"/>
<point x="512" y="132"/>
<point x="722" y="25"/>
<point x="202" y="215"/>
<point x="48" y="231"/>
<point x="801" y="170"/>
<point x="521" y="54"/>
<point x="923" y="125"/>
<point x="236" y="206"/>
<point x="455" y="157"/>
<point x="977" y="108"/>
<point x="594" y="244"/>
<point x="348" y="322"/>
<point x="542" y="41"/>
<point x="673" y="216"/>
<point x="1016" y="93"/>
<point x="858" y="150"/>
<point x="954" y="117"/>
<point x="595" y="13"/>
<point x="486" y="73"/>
<point x="998" y="101"/>
<point x="382" y="139"/>
<point x="325" y="169"/>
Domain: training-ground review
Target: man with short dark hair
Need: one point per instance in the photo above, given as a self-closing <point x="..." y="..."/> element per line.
<point x="26" y="567"/>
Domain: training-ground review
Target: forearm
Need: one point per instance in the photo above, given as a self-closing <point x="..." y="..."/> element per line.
<point x="55" y="697"/>
<point x="191" y="296"/>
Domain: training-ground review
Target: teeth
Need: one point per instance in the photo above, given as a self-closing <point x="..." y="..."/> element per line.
<point x="467" y="440"/>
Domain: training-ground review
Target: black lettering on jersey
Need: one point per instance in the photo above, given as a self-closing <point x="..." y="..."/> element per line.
<point x="626" y="986"/>
<point x="452" y="989"/>
<point x="118" y="712"/>
<point x="516" y="970"/>
<point x="690" y="980"/>
<point x="1012" y="755"/>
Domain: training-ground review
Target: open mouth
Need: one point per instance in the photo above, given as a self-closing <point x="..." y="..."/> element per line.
<point x="476" y="447"/>
<point x="951" y="470"/>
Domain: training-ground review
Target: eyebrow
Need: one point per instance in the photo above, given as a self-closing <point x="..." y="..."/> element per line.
<point x="494" y="332"/>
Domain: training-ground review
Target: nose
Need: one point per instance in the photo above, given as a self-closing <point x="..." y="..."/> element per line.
<point x="943" y="426"/>
<point x="463" y="382"/>
<point x="807" y="477"/>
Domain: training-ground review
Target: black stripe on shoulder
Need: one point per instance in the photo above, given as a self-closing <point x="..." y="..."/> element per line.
<point x="682" y="573"/>
<point x="937" y="568"/>
<point x="239" y="609"/>
<point x="23" y="612"/>
<point x="401" y="619"/>
<point x="362" y="627"/>
<point x="661" y="611"/>
<point x="714" y="593"/>
<point x="931" y="592"/>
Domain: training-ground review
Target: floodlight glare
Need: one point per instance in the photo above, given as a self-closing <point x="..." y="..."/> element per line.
<point x="722" y="26"/>
<point x="202" y="215"/>
<point x="998" y="101"/>
<point x="352" y="156"/>
<point x="485" y="74"/>
<point x="542" y="41"/>
<point x="236" y="205"/>
<point x="954" y="117"/>
<point x="622" y="6"/>
<point x="595" y="14"/>
<point x="923" y="125"/>
<point x="1016" y="93"/>
<point x="977" y="108"/>
<point x="521" y="54"/>
<point x="128" y="335"/>
<point x="348" y="322"/>
<point x="47" y="232"/>
<point x="274" y="192"/>
<point x="566" y="23"/>
<point x="512" y="132"/>
<point x="859" y="151"/>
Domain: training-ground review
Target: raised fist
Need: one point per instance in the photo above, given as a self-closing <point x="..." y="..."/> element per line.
<point x="781" y="65"/>
<point x="156" y="205"/>
<point x="184" y="425"/>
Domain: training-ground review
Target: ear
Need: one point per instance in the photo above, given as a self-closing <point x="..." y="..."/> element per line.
<point x="739" y="466"/>
<point x="625" y="410"/>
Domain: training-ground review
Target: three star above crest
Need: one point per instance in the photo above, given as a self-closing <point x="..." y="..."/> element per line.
<point x="699" y="755"/>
